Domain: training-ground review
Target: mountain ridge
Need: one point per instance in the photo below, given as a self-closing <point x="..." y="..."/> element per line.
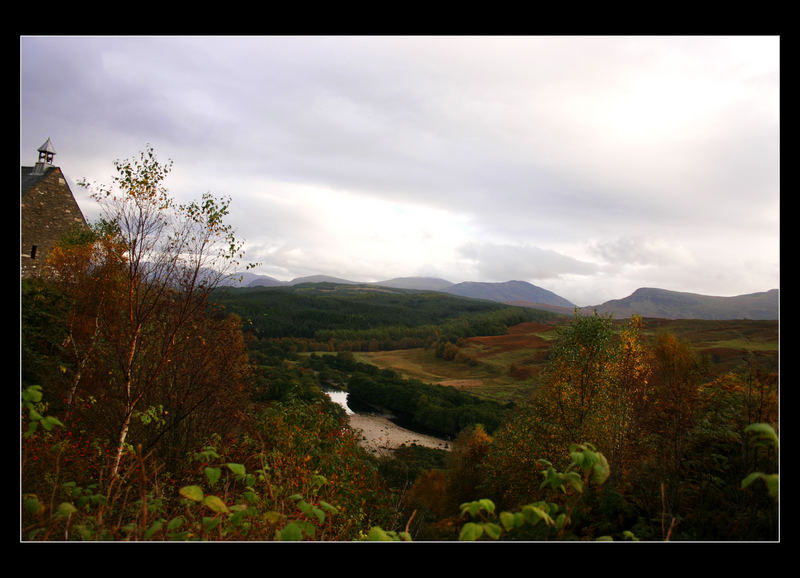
<point x="507" y="292"/>
<point x="645" y="301"/>
<point x="667" y="304"/>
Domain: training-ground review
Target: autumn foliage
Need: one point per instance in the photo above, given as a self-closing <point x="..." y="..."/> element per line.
<point x="675" y="439"/>
<point x="122" y="344"/>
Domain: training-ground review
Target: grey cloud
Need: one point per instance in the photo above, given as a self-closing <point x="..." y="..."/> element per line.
<point x="537" y="141"/>
<point x="508" y="262"/>
<point x="639" y="251"/>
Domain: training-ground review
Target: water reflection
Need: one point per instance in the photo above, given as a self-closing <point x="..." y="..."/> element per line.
<point x="340" y="397"/>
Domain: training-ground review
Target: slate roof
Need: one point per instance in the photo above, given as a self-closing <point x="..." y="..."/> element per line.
<point x="29" y="178"/>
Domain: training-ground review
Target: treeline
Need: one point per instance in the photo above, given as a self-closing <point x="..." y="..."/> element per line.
<point x="330" y="317"/>
<point x="440" y="410"/>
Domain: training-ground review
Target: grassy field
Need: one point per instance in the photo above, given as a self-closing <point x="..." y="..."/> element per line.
<point x="724" y="343"/>
<point x="507" y="367"/>
<point x="502" y="368"/>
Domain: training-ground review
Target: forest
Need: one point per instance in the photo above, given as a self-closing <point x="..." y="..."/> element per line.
<point x="157" y="405"/>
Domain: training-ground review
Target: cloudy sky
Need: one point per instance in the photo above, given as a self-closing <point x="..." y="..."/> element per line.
<point x="589" y="166"/>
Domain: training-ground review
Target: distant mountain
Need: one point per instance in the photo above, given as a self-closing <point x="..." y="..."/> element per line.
<point x="518" y="293"/>
<point x="255" y="280"/>
<point x="650" y="302"/>
<point x="419" y="283"/>
<point x="509" y="292"/>
<point x="320" y="279"/>
<point x="245" y="279"/>
<point x="265" y="281"/>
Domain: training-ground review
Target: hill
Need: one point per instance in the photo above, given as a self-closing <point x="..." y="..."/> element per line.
<point x="320" y="279"/>
<point x="650" y="302"/>
<point x="361" y="312"/>
<point x="509" y="292"/>
<point x="419" y="283"/>
<point x="256" y="280"/>
<point x="518" y="293"/>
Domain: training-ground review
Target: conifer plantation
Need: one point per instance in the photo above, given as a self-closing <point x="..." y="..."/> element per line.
<point x="158" y="404"/>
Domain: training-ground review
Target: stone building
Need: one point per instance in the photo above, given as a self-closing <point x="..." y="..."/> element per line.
<point x="47" y="210"/>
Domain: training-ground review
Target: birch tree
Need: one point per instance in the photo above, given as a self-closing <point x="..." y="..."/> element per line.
<point x="174" y="256"/>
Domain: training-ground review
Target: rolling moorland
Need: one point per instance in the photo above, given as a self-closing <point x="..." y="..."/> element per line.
<point x="495" y="350"/>
<point x="471" y="371"/>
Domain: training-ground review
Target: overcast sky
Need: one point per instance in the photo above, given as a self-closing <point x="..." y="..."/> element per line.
<point x="589" y="166"/>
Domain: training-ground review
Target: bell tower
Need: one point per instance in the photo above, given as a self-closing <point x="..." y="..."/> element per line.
<point x="46" y="154"/>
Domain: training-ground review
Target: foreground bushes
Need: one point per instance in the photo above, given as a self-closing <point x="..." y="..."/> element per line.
<point x="298" y="474"/>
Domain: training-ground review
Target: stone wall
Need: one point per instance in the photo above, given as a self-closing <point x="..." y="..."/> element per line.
<point x="48" y="210"/>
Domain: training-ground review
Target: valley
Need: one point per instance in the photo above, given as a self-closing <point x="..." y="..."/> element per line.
<point x="459" y="404"/>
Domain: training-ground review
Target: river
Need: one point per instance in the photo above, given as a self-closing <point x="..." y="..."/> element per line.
<point x="379" y="434"/>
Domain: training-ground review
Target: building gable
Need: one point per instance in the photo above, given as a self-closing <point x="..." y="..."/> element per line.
<point x="48" y="210"/>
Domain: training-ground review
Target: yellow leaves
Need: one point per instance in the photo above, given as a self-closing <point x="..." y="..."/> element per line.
<point x="195" y="494"/>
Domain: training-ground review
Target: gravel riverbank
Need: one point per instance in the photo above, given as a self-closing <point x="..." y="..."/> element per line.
<point x="380" y="435"/>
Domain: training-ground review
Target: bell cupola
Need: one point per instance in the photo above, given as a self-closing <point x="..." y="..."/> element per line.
<point x="46" y="154"/>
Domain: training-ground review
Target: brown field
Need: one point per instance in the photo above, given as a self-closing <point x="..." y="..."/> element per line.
<point x="724" y="344"/>
<point x="519" y="337"/>
<point x="508" y="367"/>
<point x="501" y="367"/>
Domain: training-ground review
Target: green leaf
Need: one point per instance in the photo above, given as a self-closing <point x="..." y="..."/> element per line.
<point x="192" y="493"/>
<point x="319" y="514"/>
<point x="175" y="523"/>
<point x="508" y="520"/>
<point x="378" y="534"/>
<point x="213" y="474"/>
<point x="772" y="484"/>
<point x="534" y="514"/>
<point x="215" y="504"/>
<point x="470" y="532"/>
<point x="32" y="394"/>
<point x="237" y="469"/>
<point x="751" y="478"/>
<point x="31" y="429"/>
<point x="492" y="530"/>
<point x="304" y="507"/>
<point x="763" y="429"/>
<point x="32" y="504"/>
<point x="291" y="533"/>
<point x="600" y="470"/>
<point x="487" y="505"/>
<point x="65" y="509"/>
<point x="573" y="480"/>
<point x="154" y="527"/>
